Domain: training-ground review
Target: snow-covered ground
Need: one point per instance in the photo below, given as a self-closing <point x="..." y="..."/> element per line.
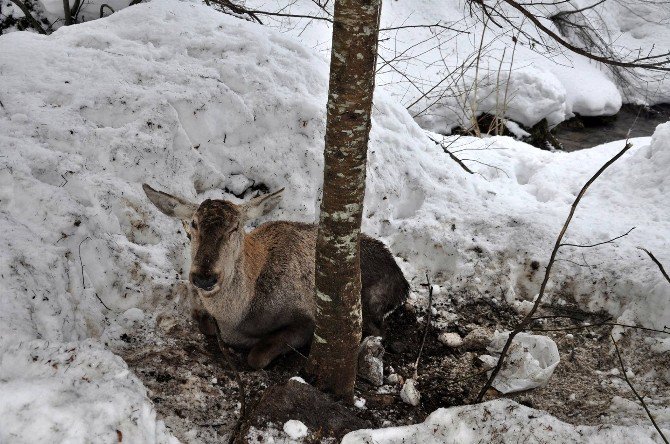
<point x="433" y="70"/>
<point x="202" y="105"/>
<point x="500" y="421"/>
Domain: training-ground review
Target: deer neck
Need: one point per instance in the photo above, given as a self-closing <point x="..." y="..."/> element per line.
<point x="233" y="301"/>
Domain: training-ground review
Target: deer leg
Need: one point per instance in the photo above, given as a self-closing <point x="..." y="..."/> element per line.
<point x="279" y="342"/>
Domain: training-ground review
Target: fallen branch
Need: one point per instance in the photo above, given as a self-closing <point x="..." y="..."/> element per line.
<point x="644" y="404"/>
<point x="453" y="157"/>
<point x="595" y="324"/>
<point x="425" y="331"/>
<point x="529" y="317"/>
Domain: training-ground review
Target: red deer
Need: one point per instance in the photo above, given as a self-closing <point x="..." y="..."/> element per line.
<point x="259" y="286"/>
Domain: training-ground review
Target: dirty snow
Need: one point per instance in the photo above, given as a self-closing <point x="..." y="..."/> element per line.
<point x="205" y="105"/>
<point x="530" y="361"/>
<point x="500" y="421"/>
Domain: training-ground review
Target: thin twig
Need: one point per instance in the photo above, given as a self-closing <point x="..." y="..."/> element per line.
<point x="425" y="331"/>
<point x="453" y="157"/>
<point x="658" y="263"/>
<point x="528" y="318"/>
<point x="435" y="25"/>
<point x="102" y="9"/>
<point x="637" y="395"/>
<point x="83" y="282"/>
<point x="488" y="165"/>
<point x="660" y="66"/>
<point x="599" y="243"/>
<point x="240" y="385"/>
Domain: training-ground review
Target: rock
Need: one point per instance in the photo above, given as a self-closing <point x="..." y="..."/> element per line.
<point x="452" y="340"/>
<point x="409" y="394"/>
<point x="370" y="360"/>
<point x="295" y="429"/>
<point x="395" y="378"/>
<point x="477" y="339"/>
<point x="302" y="402"/>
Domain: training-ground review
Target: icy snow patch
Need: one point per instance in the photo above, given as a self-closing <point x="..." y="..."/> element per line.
<point x="295" y="429"/>
<point x="72" y="392"/>
<point x="505" y="420"/>
<point x="530" y="361"/>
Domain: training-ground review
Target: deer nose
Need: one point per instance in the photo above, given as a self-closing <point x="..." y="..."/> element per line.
<point x="204" y="281"/>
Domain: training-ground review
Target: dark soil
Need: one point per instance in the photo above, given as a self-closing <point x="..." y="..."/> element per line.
<point x="195" y="391"/>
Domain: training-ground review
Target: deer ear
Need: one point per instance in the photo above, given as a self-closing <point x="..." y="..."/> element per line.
<point x="261" y="205"/>
<point x="171" y="205"/>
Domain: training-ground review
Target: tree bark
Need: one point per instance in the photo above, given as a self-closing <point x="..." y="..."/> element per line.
<point x="333" y="357"/>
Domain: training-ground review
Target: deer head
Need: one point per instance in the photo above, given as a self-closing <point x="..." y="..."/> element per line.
<point x="216" y="230"/>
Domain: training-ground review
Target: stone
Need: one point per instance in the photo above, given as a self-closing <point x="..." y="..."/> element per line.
<point x="409" y="393"/>
<point x="370" y="360"/>
<point x="477" y="339"/>
<point x="452" y="340"/>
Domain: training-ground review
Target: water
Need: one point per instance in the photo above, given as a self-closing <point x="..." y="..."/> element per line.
<point x="588" y="132"/>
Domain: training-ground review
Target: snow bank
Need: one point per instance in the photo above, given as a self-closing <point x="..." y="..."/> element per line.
<point x="553" y="84"/>
<point x="501" y="420"/>
<point x="72" y="392"/>
<point x="204" y="105"/>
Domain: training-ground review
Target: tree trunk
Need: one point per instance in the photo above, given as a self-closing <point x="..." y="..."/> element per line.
<point x="333" y="358"/>
<point x="67" y="12"/>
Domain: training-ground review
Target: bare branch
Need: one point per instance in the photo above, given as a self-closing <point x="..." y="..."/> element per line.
<point x="454" y="158"/>
<point x="575" y="11"/>
<point x="658" y="263"/>
<point x="102" y="9"/>
<point x="33" y="21"/>
<point x="658" y="66"/>
<point x="599" y="243"/>
<point x="436" y="25"/>
<point x="644" y="404"/>
<point x="425" y="331"/>
<point x="528" y="318"/>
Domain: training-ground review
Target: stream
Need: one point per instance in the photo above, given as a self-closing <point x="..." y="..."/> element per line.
<point x="586" y="132"/>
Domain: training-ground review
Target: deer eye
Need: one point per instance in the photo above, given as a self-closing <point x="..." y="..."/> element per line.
<point x="194" y="225"/>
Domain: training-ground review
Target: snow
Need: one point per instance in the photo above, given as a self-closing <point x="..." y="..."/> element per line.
<point x="501" y="420"/>
<point x="530" y="361"/>
<point x="72" y="392"/>
<point x="295" y="429"/>
<point x="202" y="105"/>
<point x="539" y="83"/>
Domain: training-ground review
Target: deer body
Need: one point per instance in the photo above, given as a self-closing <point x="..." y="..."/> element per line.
<point x="259" y="286"/>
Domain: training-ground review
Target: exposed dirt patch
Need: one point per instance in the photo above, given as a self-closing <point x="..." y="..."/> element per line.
<point x="195" y="392"/>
